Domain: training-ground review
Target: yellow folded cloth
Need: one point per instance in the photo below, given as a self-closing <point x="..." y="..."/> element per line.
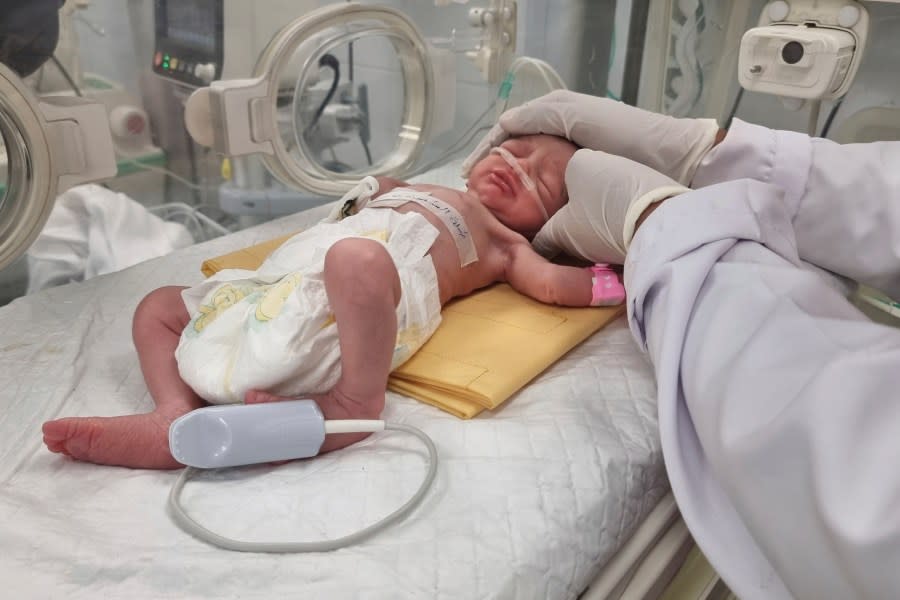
<point x="489" y="345"/>
<point x="246" y="258"/>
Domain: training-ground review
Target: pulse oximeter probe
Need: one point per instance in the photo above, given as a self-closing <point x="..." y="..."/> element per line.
<point x="216" y="437"/>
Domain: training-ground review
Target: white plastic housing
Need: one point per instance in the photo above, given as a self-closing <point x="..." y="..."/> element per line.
<point x="820" y="73"/>
<point x="834" y="34"/>
<point x="241" y="434"/>
<point x="52" y="144"/>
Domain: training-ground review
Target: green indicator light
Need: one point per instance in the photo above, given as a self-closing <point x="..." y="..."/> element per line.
<point x="166" y="66"/>
<point x="166" y="56"/>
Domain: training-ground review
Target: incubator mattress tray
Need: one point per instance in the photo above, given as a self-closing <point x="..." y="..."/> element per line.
<point x="529" y="502"/>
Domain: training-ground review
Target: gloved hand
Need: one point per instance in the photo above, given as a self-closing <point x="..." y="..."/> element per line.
<point x="607" y="195"/>
<point x="669" y="145"/>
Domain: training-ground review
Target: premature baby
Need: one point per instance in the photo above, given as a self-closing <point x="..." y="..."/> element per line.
<point x="338" y="306"/>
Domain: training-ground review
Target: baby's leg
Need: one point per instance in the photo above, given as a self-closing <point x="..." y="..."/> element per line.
<point x="363" y="289"/>
<point x="138" y="440"/>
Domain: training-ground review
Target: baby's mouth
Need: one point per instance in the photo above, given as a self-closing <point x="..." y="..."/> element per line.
<point x="503" y="180"/>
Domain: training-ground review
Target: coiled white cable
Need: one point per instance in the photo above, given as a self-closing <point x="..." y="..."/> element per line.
<point x="187" y="523"/>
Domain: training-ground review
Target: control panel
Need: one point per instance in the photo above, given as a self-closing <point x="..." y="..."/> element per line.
<point x="189" y="40"/>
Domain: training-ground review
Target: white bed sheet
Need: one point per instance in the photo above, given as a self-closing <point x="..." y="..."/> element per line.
<point x="529" y="500"/>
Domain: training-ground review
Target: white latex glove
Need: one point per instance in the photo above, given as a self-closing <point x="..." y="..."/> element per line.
<point x="669" y="145"/>
<point x="607" y="195"/>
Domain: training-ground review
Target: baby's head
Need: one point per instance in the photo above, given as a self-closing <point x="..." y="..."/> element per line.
<point x="523" y="181"/>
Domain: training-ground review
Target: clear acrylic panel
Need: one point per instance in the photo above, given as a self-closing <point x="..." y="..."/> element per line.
<point x="4" y="169"/>
<point x="327" y="99"/>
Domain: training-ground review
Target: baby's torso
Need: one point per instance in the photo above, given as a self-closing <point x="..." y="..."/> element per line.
<point x="471" y="249"/>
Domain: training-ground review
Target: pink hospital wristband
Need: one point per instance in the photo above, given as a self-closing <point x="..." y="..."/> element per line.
<point x="606" y="289"/>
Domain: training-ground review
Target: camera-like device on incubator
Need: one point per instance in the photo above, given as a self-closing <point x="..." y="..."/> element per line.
<point x="796" y="61"/>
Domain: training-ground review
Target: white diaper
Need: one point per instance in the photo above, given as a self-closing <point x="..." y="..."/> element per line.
<point x="272" y="329"/>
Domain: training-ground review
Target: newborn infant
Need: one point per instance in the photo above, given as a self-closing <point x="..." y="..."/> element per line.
<point x="331" y="312"/>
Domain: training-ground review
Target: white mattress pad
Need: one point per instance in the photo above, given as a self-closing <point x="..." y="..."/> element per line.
<point x="528" y="502"/>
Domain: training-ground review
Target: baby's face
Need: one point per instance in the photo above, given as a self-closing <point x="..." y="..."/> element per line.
<point x="543" y="158"/>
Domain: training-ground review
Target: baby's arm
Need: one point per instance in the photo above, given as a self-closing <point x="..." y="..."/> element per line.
<point x="533" y="275"/>
<point x="386" y="184"/>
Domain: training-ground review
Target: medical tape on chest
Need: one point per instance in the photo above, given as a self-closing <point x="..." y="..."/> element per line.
<point x="448" y="215"/>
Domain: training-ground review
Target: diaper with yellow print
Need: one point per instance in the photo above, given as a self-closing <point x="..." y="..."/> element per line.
<point x="273" y="329"/>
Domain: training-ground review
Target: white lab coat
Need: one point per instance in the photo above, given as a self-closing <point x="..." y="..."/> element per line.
<point x="779" y="402"/>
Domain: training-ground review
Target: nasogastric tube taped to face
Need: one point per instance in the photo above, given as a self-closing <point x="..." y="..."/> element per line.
<point x="239" y="434"/>
<point x="527" y="182"/>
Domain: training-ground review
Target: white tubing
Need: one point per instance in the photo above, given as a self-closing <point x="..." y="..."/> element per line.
<point x="188" y="524"/>
<point x="352" y="426"/>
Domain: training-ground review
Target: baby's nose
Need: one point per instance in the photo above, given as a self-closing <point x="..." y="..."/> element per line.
<point x="519" y="166"/>
<point x="527" y="182"/>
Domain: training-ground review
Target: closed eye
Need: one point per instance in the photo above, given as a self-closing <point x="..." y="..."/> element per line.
<point x="541" y="184"/>
<point x="516" y="147"/>
<point x="545" y="189"/>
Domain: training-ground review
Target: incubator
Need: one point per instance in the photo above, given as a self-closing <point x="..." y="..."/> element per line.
<point x="235" y="112"/>
<point x="769" y="62"/>
<point x="238" y="112"/>
<point x="389" y="88"/>
<point x="296" y="107"/>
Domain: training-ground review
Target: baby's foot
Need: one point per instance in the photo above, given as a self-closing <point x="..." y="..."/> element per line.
<point x="139" y="441"/>
<point x="333" y="405"/>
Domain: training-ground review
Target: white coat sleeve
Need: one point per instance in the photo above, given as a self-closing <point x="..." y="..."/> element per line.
<point x="845" y="198"/>
<point x="778" y="405"/>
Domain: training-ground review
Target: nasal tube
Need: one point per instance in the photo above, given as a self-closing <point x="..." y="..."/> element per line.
<point x="527" y="182"/>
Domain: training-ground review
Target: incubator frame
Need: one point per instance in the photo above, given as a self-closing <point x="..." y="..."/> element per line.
<point x="28" y="198"/>
<point x="240" y="116"/>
